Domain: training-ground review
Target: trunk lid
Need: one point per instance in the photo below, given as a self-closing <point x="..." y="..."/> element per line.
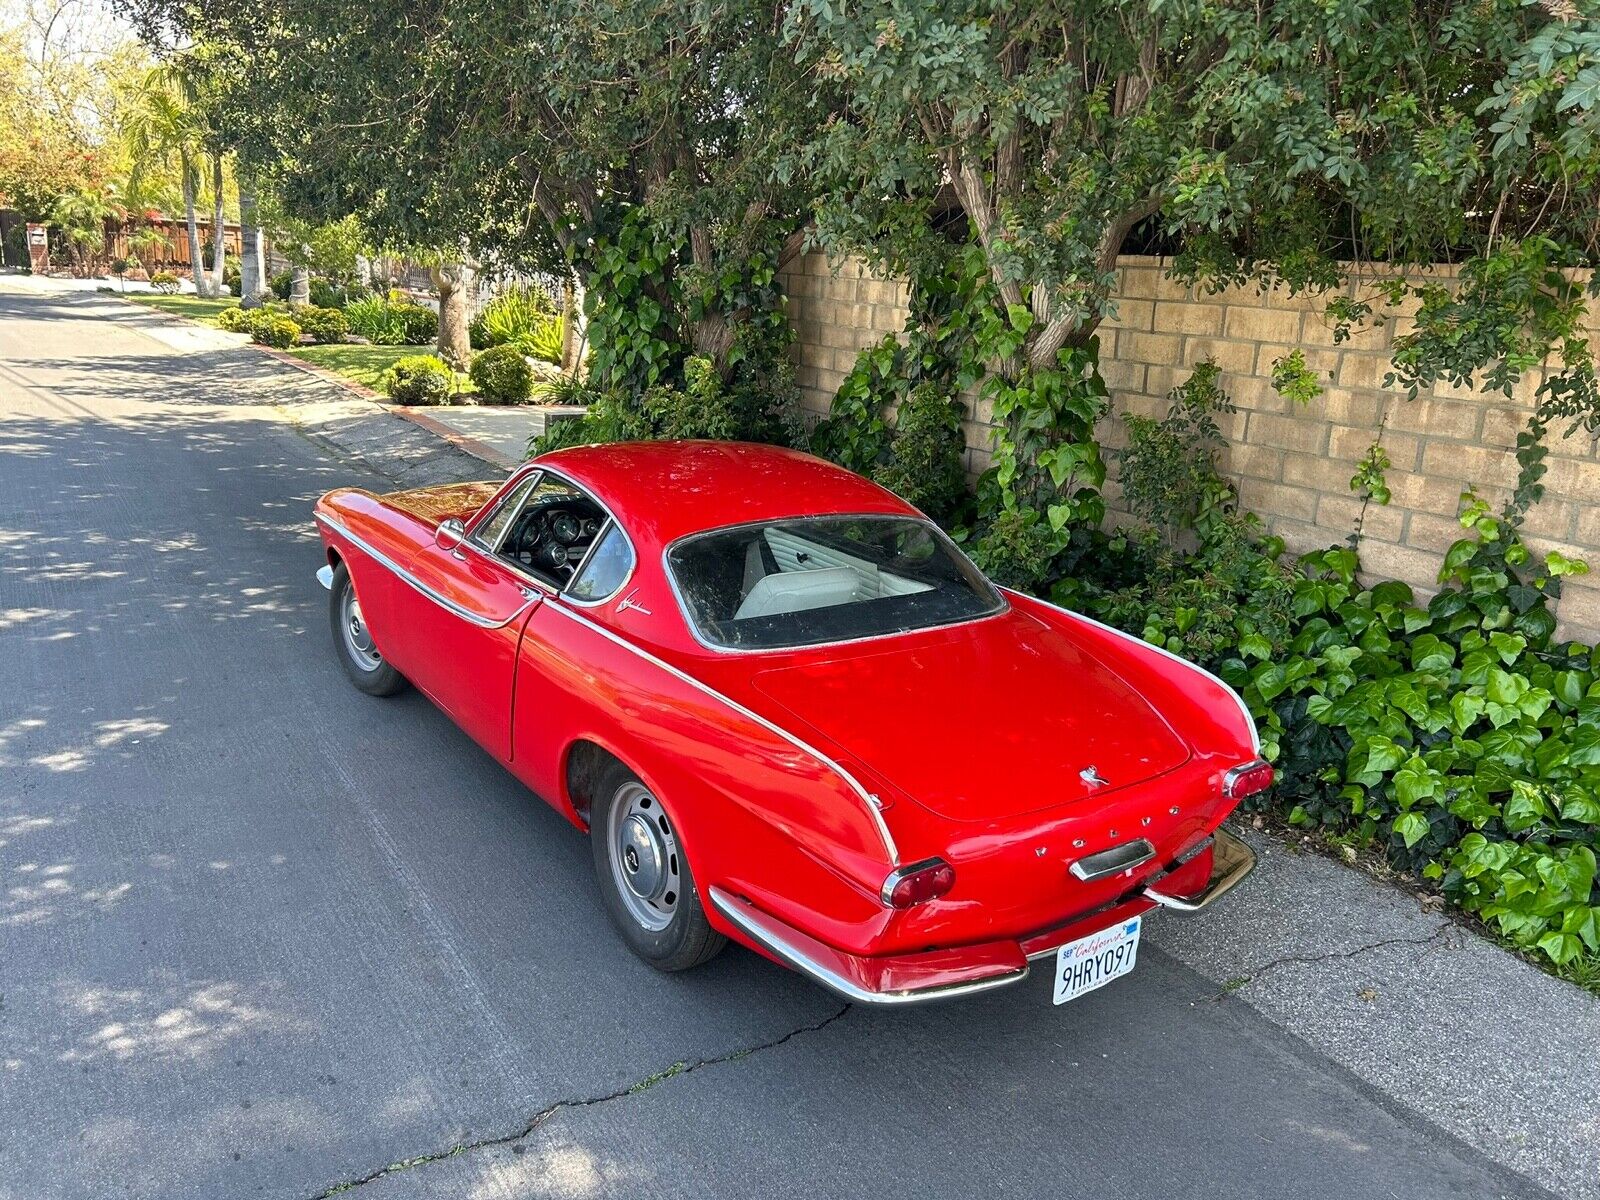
<point x="983" y="722"/>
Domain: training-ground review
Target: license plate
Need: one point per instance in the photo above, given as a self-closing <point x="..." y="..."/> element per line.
<point x="1094" y="961"/>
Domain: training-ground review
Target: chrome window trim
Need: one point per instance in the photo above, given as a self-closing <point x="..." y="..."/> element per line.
<point x="407" y="577"/>
<point x="486" y="513"/>
<point x="748" y="918"/>
<point x="1244" y="709"/>
<point x="719" y="648"/>
<point x="633" y="563"/>
<point x="867" y="798"/>
<point x="547" y="588"/>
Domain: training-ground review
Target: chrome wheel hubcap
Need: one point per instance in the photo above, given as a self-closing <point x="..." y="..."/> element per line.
<point x="357" y="639"/>
<point x="644" y="857"/>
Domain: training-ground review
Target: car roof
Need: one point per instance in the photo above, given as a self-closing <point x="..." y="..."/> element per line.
<point x="662" y="491"/>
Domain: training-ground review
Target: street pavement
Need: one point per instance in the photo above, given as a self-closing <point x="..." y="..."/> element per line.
<point x="263" y="935"/>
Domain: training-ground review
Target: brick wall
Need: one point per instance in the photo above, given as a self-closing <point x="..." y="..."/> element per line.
<point x="1292" y="464"/>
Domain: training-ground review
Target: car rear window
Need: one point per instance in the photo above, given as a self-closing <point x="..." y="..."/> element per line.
<point x="824" y="579"/>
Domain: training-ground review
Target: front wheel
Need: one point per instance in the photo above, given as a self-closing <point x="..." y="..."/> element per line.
<point x="353" y="642"/>
<point x="644" y="876"/>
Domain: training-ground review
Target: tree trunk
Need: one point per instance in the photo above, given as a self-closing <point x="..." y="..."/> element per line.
<point x="219" y="233"/>
<point x="569" y="327"/>
<point x="454" y="281"/>
<point x="196" y="266"/>
<point x="300" y="286"/>
<point x="252" y="251"/>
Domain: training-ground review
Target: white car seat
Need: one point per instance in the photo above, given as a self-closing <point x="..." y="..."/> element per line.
<point x="798" y="591"/>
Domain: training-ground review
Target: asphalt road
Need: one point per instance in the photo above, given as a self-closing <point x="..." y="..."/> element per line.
<point x="263" y="935"/>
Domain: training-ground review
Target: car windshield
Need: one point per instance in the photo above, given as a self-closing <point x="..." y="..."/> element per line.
<point x="824" y="579"/>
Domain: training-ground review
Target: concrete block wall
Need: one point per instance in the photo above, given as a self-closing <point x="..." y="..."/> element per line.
<point x="1292" y="463"/>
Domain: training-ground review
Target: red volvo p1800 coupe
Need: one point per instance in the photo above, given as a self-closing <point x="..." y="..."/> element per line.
<point x="790" y="712"/>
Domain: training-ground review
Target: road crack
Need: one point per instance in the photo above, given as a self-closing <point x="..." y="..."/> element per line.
<point x="545" y="1114"/>
<point x="1239" y="981"/>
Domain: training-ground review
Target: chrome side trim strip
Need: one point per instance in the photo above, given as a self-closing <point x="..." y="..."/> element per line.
<point x="754" y="923"/>
<point x="778" y="730"/>
<point x="325" y="576"/>
<point x="444" y="602"/>
<point x="1244" y="709"/>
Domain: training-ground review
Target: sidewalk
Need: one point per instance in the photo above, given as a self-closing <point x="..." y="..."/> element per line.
<point x="1429" y="1016"/>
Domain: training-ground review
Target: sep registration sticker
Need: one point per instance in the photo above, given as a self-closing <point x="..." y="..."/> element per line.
<point x="1096" y="960"/>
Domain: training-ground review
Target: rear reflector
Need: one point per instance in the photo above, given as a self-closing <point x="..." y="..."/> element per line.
<point x="918" y="883"/>
<point x="1247" y="779"/>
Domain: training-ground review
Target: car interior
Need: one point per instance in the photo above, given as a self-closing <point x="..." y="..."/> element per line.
<point x="551" y="532"/>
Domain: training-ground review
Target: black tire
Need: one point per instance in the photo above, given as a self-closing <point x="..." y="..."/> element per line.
<point x="671" y="937"/>
<point x="366" y="669"/>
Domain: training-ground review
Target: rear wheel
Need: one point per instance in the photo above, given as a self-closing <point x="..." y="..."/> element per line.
<point x="645" y="878"/>
<point x="353" y="642"/>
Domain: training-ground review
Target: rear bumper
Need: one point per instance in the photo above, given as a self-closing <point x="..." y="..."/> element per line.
<point x="894" y="980"/>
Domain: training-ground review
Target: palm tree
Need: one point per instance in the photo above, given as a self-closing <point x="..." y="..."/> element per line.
<point x="165" y="124"/>
<point x="252" y="251"/>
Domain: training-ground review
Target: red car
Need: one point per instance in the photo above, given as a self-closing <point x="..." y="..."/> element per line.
<point x="790" y="712"/>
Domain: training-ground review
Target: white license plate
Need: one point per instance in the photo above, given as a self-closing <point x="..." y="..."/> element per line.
<point x="1096" y="960"/>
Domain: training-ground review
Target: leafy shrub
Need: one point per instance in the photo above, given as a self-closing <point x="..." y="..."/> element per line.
<point x="164" y="282"/>
<point x="325" y="325"/>
<point x="121" y="266"/>
<point x="273" y="329"/>
<point x="387" y="322"/>
<point x="516" y="313"/>
<point x="1169" y="469"/>
<point x="702" y="408"/>
<point x="232" y="277"/>
<point x="926" y="454"/>
<point x="282" y="284"/>
<point x="419" y="379"/>
<point x="232" y="319"/>
<point x="1016" y="549"/>
<point x="502" y="375"/>
<point x="328" y="295"/>
<point x="419" y="323"/>
<point x="543" y="342"/>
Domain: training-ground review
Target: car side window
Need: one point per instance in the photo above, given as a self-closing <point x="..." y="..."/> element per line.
<point x="489" y="532"/>
<point x="607" y="569"/>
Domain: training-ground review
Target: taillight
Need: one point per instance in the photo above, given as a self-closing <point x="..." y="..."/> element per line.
<point x="1247" y="779"/>
<point x="918" y="883"/>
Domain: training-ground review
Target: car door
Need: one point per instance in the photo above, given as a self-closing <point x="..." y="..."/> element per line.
<point x="458" y="633"/>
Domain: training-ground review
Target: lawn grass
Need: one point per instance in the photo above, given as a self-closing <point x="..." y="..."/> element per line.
<point x="367" y="364"/>
<point x="191" y="307"/>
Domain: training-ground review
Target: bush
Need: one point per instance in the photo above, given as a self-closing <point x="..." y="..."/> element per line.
<point x="516" y="313"/>
<point x="502" y="375"/>
<point x="232" y="319"/>
<point x="927" y="453"/>
<point x="420" y="323"/>
<point x="328" y="295"/>
<point x="232" y="277"/>
<point x="121" y="266"/>
<point x="419" y="379"/>
<point x="273" y="329"/>
<point x="282" y="284"/>
<point x="386" y="322"/>
<point x="164" y="282"/>
<point x="324" y="325"/>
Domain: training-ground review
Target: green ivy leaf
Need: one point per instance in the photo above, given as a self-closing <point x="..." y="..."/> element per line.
<point x="1412" y="828"/>
<point x="1254" y="645"/>
<point x="1432" y="654"/>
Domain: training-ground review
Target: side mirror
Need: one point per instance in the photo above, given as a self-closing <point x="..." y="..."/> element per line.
<point x="450" y="534"/>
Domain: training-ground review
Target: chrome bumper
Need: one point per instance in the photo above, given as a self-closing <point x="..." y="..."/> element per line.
<point x="1231" y="861"/>
<point x="769" y="933"/>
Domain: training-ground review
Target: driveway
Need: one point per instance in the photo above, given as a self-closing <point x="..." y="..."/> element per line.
<point x="263" y="935"/>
